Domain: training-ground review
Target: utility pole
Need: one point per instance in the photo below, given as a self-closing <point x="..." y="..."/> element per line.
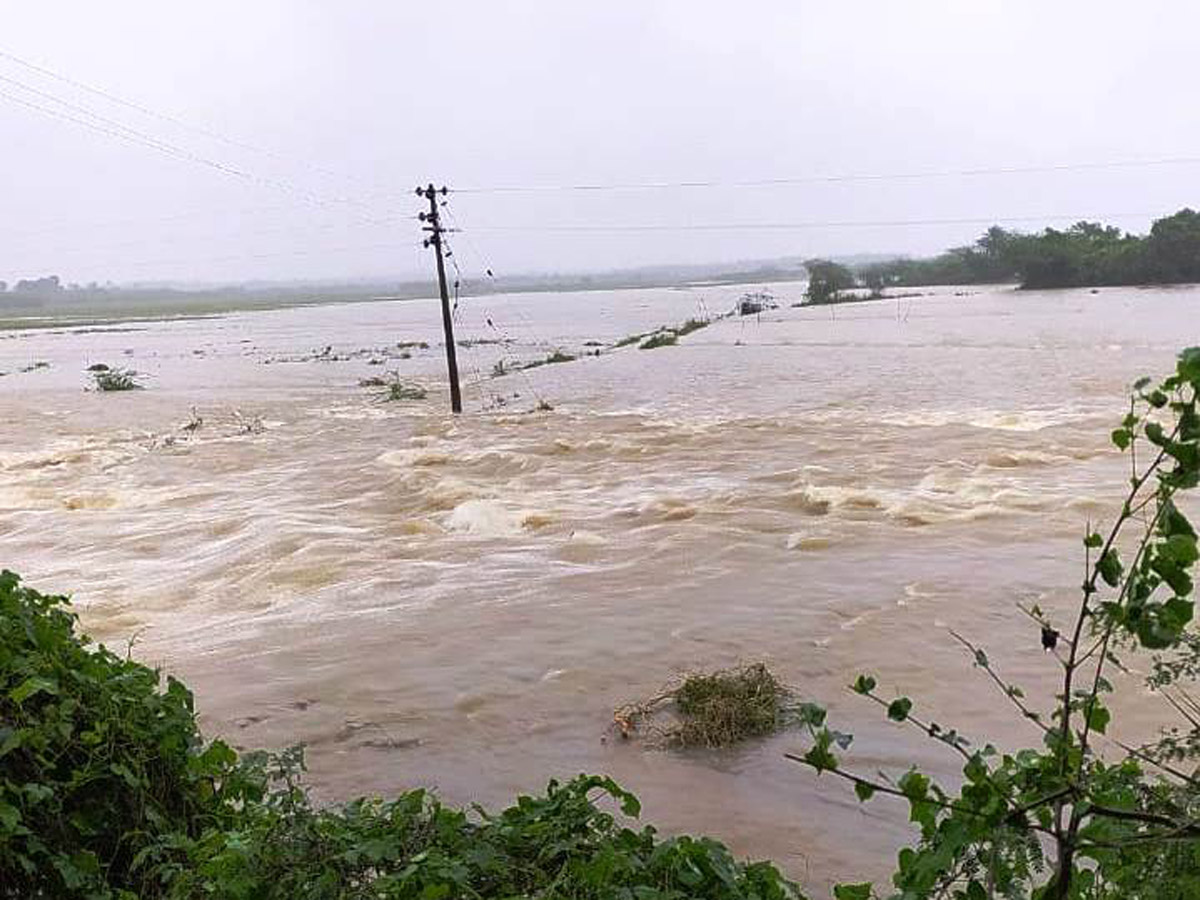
<point x="434" y="227"/>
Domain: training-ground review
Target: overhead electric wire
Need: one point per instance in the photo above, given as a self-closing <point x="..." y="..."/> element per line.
<point x="178" y="122"/>
<point x="798" y="226"/>
<point x="128" y="134"/>
<point x="105" y="125"/>
<point x="506" y="341"/>
<point x="835" y="178"/>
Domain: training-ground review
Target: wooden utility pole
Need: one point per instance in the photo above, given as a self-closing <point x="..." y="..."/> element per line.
<point x="434" y="227"/>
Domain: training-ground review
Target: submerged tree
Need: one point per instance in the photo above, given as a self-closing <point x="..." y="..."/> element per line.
<point x="826" y="280"/>
<point x="1062" y="821"/>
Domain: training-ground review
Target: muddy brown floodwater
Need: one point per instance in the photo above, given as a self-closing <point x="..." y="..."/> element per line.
<point x="461" y="602"/>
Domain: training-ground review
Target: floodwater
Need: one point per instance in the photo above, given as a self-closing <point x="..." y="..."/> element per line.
<point x="461" y="602"/>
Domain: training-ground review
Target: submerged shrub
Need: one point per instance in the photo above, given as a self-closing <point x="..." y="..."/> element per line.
<point x="713" y="709"/>
<point x="115" y="379"/>
<point x="659" y="339"/>
<point x="730" y="705"/>
<point x="400" y="391"/>
<point x="691" y="325"/>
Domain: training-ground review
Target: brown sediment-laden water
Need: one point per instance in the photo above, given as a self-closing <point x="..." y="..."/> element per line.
<point x="461" y="602"/>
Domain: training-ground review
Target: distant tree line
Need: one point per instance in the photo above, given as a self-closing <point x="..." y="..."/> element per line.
<point x="1085" y="254"/>
<point x="48" y="285"/>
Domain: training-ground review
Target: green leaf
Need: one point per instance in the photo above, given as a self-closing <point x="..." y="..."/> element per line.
<point x="31" y="686"/>
<point x="1182" y="548"/>
<point x="975" y="769"/>
<point x="1188" y="367"/>
<point x="1122" y="438"/>
<point x="1172" y="521"/>
<point x="1110" y="568"/>
<point x="914" y="785"/>
<point x="1098" y="718"/>
<point x="864" y="684"/>
<point x="810" y="714"/>
<point x="899" y="708"/>
<point x="1093" y="541"/>
<point x="10" y="817"/>
<point x="1177" y="612"/>
<point x="864" y="791"/>
<point x="819" y="756"/>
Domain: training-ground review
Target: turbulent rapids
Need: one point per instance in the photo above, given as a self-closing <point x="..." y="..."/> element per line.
<point x="463" y="601"/>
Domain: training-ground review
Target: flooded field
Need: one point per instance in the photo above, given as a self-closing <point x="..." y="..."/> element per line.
<point x="461" y="602"/>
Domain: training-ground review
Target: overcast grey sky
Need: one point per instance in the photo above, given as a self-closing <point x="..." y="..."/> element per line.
<point x="359" y="100"/>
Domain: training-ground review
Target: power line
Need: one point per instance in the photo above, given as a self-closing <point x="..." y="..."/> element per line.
<point x="800" y="226"/>
<point x="128" y="134"/>
<point x="114" y="128"/>
<point x="836" y="178"/>
<point x="205" y="131"/>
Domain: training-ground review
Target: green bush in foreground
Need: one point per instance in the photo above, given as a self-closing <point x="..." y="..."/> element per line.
<point x="108" y="792"/>
<point x="99" y="760"/>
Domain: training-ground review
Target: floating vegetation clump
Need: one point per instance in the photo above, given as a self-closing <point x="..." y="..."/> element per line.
<point x="116" y="379"/>
<point x="712" y="709"/>
<point x="397" y="390"/>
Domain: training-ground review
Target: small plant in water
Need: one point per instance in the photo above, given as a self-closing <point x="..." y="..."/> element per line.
<point x="691" y="325"/>
<point x="397" y="390"/>
<point x="659" y="339"/>
<point x="712" y="709"/>
<point x="117" y="379"/>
